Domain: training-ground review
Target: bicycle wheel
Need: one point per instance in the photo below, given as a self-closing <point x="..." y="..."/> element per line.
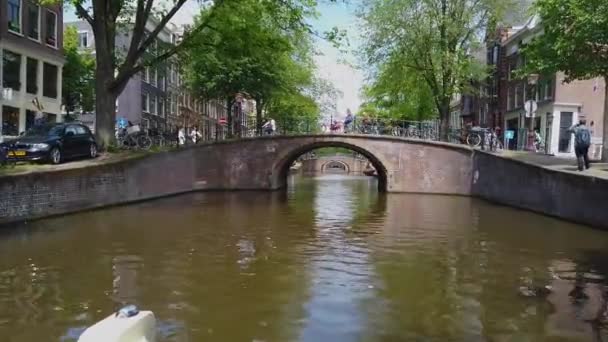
<point x="473" y="139"/>
<point x="144" y="142"/>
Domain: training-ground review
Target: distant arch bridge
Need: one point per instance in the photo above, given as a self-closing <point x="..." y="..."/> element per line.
<point x="349" y="164"/>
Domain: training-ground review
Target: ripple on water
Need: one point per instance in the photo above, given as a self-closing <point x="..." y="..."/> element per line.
<point x="330" y="261"/>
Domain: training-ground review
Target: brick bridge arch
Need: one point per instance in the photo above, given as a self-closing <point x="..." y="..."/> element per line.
<point x="350" y="163"/>
<point x="330" y="163"/>
<point x="403" y="165"/>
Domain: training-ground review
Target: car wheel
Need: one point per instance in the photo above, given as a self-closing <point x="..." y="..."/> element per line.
<point x="55" y="156"/>
<point x="93" y="151"/>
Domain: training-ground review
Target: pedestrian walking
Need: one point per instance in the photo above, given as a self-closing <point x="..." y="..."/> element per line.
<point x="181" y="136"/>
<point x="269" y="127"/>
<point x="582" y="141"/>
<point x="348" y="121"/>
<point x="195" y="135"/>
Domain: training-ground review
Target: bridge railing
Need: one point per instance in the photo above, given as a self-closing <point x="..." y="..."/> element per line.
<point x="425" y="130"/>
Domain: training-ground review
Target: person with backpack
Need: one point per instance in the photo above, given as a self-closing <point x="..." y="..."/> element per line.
<point x="582" y="141"/>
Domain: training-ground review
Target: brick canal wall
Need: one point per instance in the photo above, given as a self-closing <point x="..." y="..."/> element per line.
<point x="565" y="195"/>
<point x="261" y="164"/>
<point x="42" y="194"/>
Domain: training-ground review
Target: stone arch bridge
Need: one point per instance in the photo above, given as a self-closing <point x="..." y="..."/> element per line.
<point x="263" y="163"/>
<point x="348" y="163"/>
<point x="403" y="165"/>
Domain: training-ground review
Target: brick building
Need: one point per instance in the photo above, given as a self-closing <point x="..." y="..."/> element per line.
<point x="31" y="51"/>
<point x="560" y="104"/>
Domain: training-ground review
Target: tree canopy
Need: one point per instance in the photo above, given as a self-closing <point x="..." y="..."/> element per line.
<point x="78" y="74"/>
<point x="255" y="48"/>
<point x="422" y="48"/>
<point x="115" y="66"/>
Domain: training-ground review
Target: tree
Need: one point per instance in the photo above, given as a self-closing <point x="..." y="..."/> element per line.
<point x="432" y="39"/>
<point x="575" y="41"/>
<point x="397" y="93"/>
<point x="113" y="71"/>
<point x="325" y="94"/>
<point x="78" y="74"/>
<point x="251" y="47"/>
<point x="294" y="113"/>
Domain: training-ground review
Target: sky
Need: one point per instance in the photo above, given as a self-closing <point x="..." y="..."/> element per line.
<point x="330" y="61"/>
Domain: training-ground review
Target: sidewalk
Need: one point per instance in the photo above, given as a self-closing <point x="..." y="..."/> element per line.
<point x="103" y="158"/>
<point x="599" y="170"/>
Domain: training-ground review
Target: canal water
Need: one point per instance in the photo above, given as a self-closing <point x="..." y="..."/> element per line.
<point x="330" y="259"/>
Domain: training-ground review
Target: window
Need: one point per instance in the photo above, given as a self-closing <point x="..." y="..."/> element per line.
<point x="172" y="73"/>
<point x="144" y="102"/>
<point x="510" y="98"/>
<point x="71" y="129"/>
<point x="174" y="104"/>
<point x="152" y="104"/>
<point x="80" y="130"/>
<point x="565" y="122"/>
<point x="549" y="90"/>
<point x="145" y="74"/>
<point x="83" y="39"/>
<point x="30" y="119"/>
<point x="10" y="67"/>
<point x="160" y="80"/>
<point x="50" y="36"/>
<point x="161" y="107"/>
<point x="10" y="121"/>
<point x="31" y="85"/>
<point x="49" y="80"/>
<point x="152" y="77"/>
<point x="14" y="15"/>
<point x="49" y="118"/>
<point x="33" y="18"/>
<point x="519" y="96"/>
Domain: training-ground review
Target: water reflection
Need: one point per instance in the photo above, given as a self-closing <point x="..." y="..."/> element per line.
<point x="328" y="260"/>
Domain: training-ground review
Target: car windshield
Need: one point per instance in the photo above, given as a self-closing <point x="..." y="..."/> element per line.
<point x="44" y="130"/>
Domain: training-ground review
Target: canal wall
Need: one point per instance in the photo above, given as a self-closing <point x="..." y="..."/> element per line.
<point x="569" y="196"/>
<point x="262" y="164"/>
<point x="41" y="194"/>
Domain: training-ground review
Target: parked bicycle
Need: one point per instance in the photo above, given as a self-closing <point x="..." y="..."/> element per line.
<point x="133" y="137"/>
<point x="476" y="136"/>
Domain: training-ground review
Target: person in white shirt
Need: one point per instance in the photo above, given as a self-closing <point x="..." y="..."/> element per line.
<point x="269" y="127"/>
<point x="181" y="136"/>
<point x="195" y="135"/>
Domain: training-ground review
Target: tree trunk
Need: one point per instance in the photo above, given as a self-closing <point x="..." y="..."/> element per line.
<point x="444" y="122"/>
<point x="105" y="109"/>
<point x="605" y="128"/>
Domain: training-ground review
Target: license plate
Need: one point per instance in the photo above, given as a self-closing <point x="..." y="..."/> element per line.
<point x="16" y="153"/>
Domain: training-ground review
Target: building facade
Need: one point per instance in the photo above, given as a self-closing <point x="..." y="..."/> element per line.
<point x="157" y="97"/>
<point x="31" y="51"/>
<point x="559" y="105"/>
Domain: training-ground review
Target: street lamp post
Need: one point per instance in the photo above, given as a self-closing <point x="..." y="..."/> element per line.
<point x="531" y="107"/>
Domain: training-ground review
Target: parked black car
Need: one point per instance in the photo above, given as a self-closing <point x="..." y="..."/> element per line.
<point x="52" y="143"/>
